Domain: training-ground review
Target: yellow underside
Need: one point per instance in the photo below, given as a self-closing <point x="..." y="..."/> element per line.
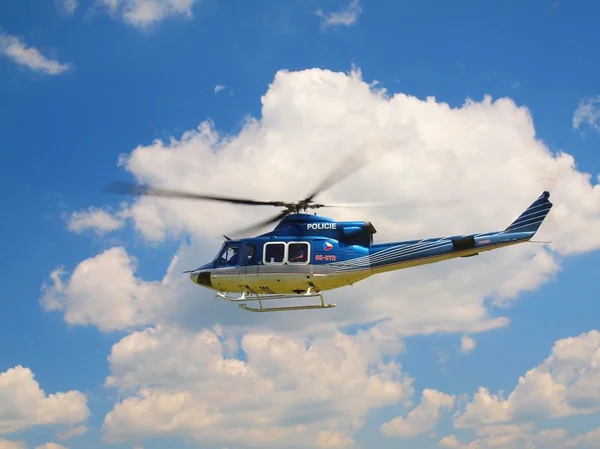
<point x="282" y="283"/>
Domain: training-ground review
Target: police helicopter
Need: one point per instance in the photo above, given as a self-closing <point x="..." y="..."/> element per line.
<point x="305" y="254"/>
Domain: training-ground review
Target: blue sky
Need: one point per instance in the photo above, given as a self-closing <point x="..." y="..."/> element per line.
<point x="81" y="87"/>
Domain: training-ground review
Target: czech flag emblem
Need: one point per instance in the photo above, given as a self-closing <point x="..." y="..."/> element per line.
<point x="328" y="246"/>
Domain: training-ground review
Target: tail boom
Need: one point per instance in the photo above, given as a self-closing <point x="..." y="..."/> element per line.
<point x="395" y="256"/>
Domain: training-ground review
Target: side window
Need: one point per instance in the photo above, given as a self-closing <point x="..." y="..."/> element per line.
<point x="250" y="254"/>
<point x="298" y="252"/>
<point x="274" y="252"/>
<point x="229" y="256"/>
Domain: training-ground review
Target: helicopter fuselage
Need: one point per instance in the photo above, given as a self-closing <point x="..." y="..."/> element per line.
<point x="310" y="251"/>
<point x="333" y="265"/>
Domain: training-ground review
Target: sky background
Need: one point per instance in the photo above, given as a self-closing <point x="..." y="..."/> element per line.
<point x="82" y="82"/>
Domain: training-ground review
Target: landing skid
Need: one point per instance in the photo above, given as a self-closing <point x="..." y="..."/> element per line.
<point x="249" y="295"/>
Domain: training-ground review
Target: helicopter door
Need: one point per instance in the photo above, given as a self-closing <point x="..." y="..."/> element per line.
<point x="249" y="260"/>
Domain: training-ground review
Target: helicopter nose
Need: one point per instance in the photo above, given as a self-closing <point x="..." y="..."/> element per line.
<point x="201" y="278"/>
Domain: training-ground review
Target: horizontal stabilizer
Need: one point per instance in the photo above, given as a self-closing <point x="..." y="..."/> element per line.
<point x="532" y="218"/>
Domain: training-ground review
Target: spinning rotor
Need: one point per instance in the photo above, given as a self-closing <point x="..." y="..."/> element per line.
<point x="348" y="166"/>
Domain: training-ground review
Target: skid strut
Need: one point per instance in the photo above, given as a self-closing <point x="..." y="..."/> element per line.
<point x="310" y="293"/>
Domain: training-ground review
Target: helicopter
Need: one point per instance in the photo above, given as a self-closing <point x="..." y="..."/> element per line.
<point x="307" y="254"/>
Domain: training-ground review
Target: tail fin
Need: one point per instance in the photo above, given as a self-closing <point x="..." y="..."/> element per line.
<point x="532" y="218"/>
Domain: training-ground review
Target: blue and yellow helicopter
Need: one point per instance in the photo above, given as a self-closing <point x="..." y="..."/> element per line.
<point x="305" y="255"/>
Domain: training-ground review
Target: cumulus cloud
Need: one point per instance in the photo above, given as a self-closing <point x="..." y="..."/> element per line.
<point x="113" y="299"/>
<point x="23" y="404"/>
<point x="15" y="49"/>
<point x="590" y="439"/>
<point x="468" y="153"/>
<point x="423" y="418"/>
<point x="283" y="391"/>
<point x="346" y="17"/>
<point x="567" y="383"/>
<point x="298" y="380"/>
<point x="145" y="13"/>
<point x="51" y="446"/>
<point x="265" y="389"/>
<point x="510" y="437"/>
<point x="7" y="444"/>
<point x="450" y="441"/>
<point x="587" y="113"/>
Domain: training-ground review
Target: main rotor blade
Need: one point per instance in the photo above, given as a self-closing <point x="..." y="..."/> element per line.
<point x="126" y="188"/>
<point x="412" y="203"/>
<point x="354" y="162"/>
<point x="262" y="224"/>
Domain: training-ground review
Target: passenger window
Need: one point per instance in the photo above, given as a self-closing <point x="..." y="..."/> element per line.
<point x="274" y="252"/>
<point x="298" y="252"/>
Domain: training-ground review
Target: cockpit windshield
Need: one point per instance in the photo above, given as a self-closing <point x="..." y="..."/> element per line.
<point x="229" y="255"/>
<point x="234" y="254"/>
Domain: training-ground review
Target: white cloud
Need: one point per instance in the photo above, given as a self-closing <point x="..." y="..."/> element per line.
<point x="145" y="13"/>
<point x="67" y="7"/>
<point x="476" y="149"/>
<point x="587" y="113"/>
<point x="283" y="391"/>
<point x="104" y="291"/>
<point x="287" y="388"/>
<point x="510" y="437"/>
<point x="23" y="404"/>
<point x="450" y="441"/>
<point x="51" y="446"/>
<point x="590" y="439"/>
<point x="74" y="432"/>
<point x="566" y="383"/>
<point x="328" y="439"/>
<point x="346" y="17"/>
<point x="467" y="344"/>
<point x="221" y="87"/>
<point x="15" y="49"/>
<point x="266" y="389"/>
<point x="7" y="444"/>
<point x="70" y="6"/>
<point x="423" y="418"/>
<point x="99" y="220"/>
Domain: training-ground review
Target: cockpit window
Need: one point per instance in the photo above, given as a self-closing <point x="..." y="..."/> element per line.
<point x="229" y="256"/>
